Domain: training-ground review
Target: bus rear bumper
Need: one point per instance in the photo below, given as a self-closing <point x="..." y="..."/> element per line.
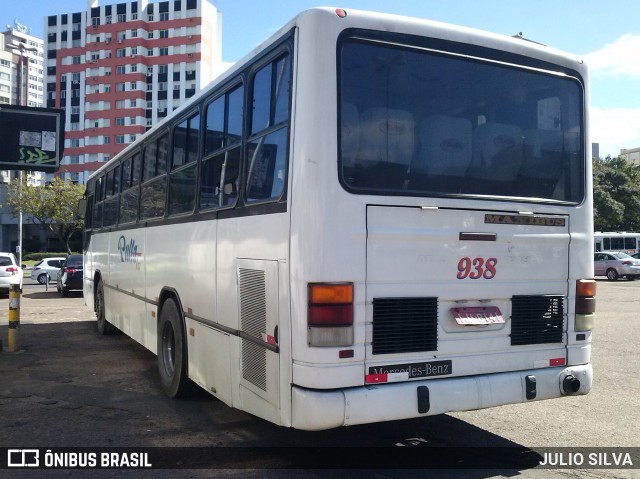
<point x="314" y="409"/>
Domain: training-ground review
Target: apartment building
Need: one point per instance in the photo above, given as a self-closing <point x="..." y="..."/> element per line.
<point x="21" y="83"/>
<point x="21" y="78"/>
<point x="117" y="69"/>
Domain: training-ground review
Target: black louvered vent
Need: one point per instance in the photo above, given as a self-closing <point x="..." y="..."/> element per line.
<point x="405" y="325"/>
<point x="536" y="319"/>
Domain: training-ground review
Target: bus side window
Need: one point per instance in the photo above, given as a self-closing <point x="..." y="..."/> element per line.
<point x="182" y="179"/>
<point x="130" y="191"/>
<point x="110" y="213"/>
<point x="221" y="165"/>
<point x="268" y="147"/>
<point x="152" y="191"/>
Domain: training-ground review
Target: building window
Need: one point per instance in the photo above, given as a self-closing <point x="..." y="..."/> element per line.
<point x="120" y="121"/>
<point x="164" y="51"/>
<point x="164" y="16"/>
<point x="164" y="33"/>
<point x="120" y="52"/>
<point x="122" y="17"/>
<point x="120" y="86"/>
<point x="120" y="69"/>
<point x="119" y="139"/>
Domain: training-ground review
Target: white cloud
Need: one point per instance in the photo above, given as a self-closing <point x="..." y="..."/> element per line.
<point x="617" y="58"/>
<point x="614" y="129"/>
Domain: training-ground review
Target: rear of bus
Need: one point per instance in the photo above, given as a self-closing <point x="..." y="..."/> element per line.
<point x="441" y="219"/>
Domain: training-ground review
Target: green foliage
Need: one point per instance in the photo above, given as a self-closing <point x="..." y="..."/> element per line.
<point x="616" y="195"/>
<point x="53" y="205"/>
<point x="39" y="256"/>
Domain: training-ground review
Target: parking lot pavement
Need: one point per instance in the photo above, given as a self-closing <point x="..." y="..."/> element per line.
<point x="40" y="304"/>
<point x="70" y="387"/>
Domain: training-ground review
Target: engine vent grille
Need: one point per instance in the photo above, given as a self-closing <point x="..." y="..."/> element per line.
<point x="405" y="325"/>
<point x="537" y="319"/>
<point x="253" y="321"/>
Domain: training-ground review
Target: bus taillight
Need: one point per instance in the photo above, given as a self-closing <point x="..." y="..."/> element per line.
<point x="585" y="304"/>
<point x="330" y="314"/>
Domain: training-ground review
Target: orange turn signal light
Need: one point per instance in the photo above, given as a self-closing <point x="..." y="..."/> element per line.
<point x="330" y="293"/>
<point x="586" y="287"/>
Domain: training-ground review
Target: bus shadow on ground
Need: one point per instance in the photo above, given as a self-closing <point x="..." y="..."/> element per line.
<point x="69" y="387"/>
<point x="50" y="294"/>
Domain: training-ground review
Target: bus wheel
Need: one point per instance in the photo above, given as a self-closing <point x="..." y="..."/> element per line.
<point x="172" y="353"/>
<point x="612" y="274"/>
<point x="104" y="326"/>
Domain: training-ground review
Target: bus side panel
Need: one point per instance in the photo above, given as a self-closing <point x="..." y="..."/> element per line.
<point x="209" y="365"/>
<point x="187" y="267"/>
<point x="87" y="268"/>
<point x="126" y="280"/>
<point x="252" y="246"/>
<point x="99" y="259"/>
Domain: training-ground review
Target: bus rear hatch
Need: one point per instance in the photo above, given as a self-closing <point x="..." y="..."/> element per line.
<point x="457" y="292"/>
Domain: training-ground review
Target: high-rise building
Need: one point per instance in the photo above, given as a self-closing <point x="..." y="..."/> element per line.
<point x="21" y="74"/>
<point x="118" y="69"/>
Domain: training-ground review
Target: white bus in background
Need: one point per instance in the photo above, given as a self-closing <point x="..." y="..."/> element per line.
<point x="368" y="218"/>
<point x="616" y="241"/>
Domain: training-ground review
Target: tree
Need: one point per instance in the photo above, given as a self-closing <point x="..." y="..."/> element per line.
<point x="53" y="205"/>
<point x="616" y="195"/>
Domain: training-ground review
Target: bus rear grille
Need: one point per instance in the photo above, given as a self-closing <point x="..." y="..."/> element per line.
<point x="536" y="319"/>
<point x="405" y="325"/>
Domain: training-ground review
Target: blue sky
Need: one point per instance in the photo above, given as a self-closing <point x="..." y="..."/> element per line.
<point x="605" y="33"/>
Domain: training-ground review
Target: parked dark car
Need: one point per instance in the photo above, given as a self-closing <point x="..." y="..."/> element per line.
<point x="70" y="275"/>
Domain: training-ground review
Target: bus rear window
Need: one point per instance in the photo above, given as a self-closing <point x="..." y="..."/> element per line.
<point x="422" y="123"/>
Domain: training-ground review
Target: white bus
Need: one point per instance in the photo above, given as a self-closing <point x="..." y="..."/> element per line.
<point x="368" y="218"/>
<point x="616" y="241"/>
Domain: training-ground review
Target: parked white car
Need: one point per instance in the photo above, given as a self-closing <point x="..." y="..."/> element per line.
<point x="10" y="272"/>
<point x="49" y="266"/>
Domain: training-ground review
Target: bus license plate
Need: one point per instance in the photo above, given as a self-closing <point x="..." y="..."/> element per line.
<point x="415" y="370"/>
<point x="477" y="315"/>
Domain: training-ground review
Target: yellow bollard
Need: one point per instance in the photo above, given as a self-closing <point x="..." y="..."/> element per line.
<point x="13" y="342"/>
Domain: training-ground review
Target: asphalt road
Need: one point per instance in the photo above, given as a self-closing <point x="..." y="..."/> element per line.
<point x="69" y="387"/>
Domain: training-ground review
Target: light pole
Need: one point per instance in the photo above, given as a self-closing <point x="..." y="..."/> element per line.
<point x="22" y="101"/>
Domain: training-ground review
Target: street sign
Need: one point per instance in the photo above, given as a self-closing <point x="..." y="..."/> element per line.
<point x="32" y="138"/>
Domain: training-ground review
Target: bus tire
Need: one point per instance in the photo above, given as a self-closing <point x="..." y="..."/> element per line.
<point x="612" y="274"/>
<point x="104" y="326"/>
<point x="172" y="352"/>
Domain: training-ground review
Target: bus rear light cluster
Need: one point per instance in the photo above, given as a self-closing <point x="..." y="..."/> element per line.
<point x="585" y="304"/>
<point x="330" y="314"/>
